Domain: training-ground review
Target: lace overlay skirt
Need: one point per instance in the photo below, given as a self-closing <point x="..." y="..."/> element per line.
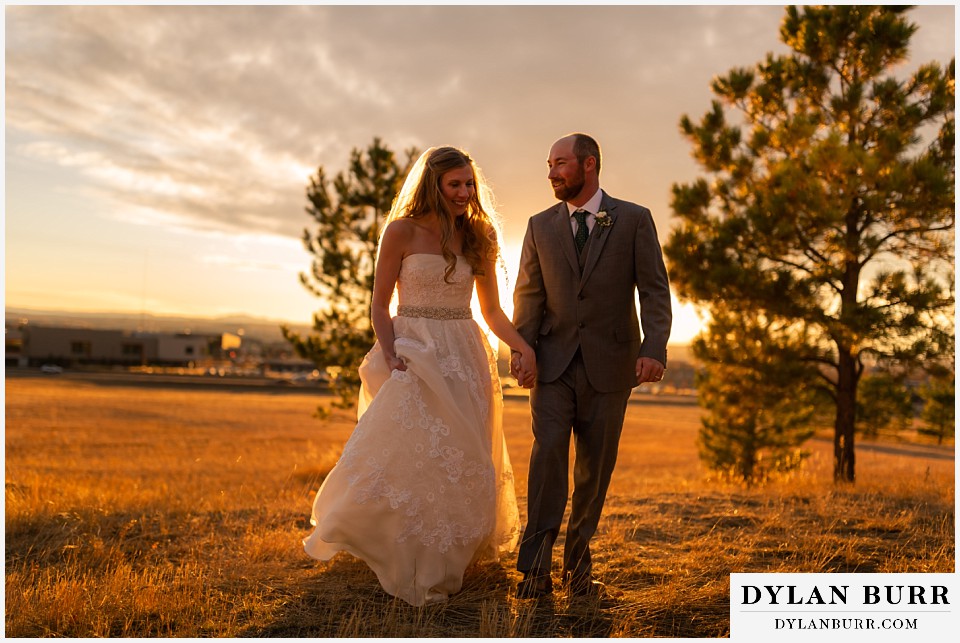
<point x="424" y="485"/>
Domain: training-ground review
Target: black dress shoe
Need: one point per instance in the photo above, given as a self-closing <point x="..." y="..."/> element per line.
<point x="586" y="587"/>
<point x="534" y="585"/>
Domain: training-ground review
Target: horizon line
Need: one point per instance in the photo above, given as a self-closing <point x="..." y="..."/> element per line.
<point x="133" y="315"/>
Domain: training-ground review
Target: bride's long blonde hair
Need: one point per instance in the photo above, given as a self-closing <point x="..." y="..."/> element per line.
<point x="421" y="196"/>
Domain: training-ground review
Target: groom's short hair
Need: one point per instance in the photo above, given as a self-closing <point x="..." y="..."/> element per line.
<point x="584" y="146"/>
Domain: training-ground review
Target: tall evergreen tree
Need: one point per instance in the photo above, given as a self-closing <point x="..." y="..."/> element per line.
<point x="344" y="249"/>
<point x="831" y="204"/>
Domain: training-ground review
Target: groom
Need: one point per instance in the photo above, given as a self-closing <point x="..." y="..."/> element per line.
<point x="585" y="263"/>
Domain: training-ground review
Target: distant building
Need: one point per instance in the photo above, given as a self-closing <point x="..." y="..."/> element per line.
<point x="288" y="365"/>
<point x="13" y="345"/>
<point x="37" y="345"/>
<point x="184" y="348"/>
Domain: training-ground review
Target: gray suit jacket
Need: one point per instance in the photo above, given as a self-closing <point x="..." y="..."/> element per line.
<point x="558" y="306"/>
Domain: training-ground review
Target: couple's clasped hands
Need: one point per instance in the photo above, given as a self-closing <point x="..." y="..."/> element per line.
<point x="523" y="367"/>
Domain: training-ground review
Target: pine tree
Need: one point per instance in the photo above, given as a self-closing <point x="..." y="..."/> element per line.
<point x="884" y="404"/>
<point x="940" y="405"/>
<point x="831" y="205"/>
<point x="758" y="410"/>
<point x="344" y="249"/>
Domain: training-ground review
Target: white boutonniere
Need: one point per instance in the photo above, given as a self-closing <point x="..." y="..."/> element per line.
<point x="603" y="219"/>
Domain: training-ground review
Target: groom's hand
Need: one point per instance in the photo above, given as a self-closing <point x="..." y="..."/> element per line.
<point x="649" y="370"/>
<point x="528" y="370"/>
<point x="525" y="375"/>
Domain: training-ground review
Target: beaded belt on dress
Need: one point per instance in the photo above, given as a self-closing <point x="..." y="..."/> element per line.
<point x="431" y="312"/>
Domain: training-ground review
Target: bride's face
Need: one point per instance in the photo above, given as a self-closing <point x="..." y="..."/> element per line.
<point x="457" y="188"/>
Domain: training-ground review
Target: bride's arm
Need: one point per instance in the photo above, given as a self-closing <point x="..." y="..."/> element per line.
<point x="488" y="293"/>
<point x="395" y="239"/>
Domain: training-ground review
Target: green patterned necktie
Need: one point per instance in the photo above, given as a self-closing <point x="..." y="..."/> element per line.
<point x="580" y="238"/>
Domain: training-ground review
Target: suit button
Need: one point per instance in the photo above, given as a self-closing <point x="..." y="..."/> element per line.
<point x="580" y="324"/>
<point x="579" y="297"/>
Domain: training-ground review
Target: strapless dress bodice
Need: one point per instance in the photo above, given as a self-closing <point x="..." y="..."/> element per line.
<point x="421" y="283"/>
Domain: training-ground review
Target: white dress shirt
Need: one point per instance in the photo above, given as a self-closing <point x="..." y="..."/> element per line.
<point x="592" y="206"/>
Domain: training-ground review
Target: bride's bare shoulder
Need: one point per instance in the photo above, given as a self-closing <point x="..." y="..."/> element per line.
<point x="400" y="230"/>
<point x="410" y="227"/>
<point x="411" y="230"/>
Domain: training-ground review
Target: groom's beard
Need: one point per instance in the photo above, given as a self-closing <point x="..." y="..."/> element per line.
<point x="567" y="191"/>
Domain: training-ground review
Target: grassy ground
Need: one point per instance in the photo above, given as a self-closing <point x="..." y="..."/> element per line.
<point x="159" y="512"/>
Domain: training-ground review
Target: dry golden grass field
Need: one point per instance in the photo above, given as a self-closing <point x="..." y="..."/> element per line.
<point x="136" y="511"/>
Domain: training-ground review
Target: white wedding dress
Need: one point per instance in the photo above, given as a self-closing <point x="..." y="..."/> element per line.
<point x="424" y="485"/>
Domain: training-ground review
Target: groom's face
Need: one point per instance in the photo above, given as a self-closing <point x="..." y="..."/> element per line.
<point x="566" y="174"/>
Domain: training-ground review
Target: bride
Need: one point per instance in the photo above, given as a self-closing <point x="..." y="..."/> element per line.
<point x="424" y="486"/>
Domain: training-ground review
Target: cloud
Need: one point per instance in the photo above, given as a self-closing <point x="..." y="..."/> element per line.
<point x="245" y="265"/>
<point x="214" y="116"/>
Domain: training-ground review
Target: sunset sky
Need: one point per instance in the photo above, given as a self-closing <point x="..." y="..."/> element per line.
<point x="156" y="157"/>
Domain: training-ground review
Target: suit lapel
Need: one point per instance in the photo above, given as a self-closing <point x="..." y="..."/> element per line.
<point x="598" y="238"/>
<point x="561" y="226"/>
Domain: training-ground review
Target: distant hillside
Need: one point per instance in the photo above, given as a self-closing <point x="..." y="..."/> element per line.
<point x="255" y="328"/>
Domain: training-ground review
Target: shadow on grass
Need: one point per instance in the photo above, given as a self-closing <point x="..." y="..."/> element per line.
<point x="344" y="599"/>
